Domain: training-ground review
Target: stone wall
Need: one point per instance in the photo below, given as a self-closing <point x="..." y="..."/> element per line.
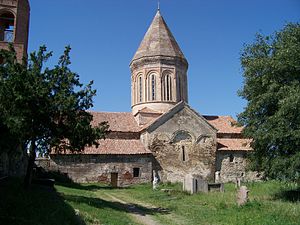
<point x="233" y="165"/>
<point x="98" y="168"/>
<point x="183" y="144"/>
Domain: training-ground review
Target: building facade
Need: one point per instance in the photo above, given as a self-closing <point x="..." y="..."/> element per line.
<point x="162" y="136"/>
<point x="14" y="25"/>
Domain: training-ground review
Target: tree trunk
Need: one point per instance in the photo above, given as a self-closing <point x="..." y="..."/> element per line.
<point x="32" y="155"/>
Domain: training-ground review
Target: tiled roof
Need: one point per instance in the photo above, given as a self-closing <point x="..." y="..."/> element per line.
<point x="118" y="146"/>
<point x="234" y="144"/>
<point x="158" y="41"/>
<point x="118" y="121"/>
<point x="224" y="124"/>
<point x="147" y="110"/>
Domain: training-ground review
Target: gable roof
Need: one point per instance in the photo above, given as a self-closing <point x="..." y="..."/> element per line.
<point x="234" y="144"/>
<point x="158" y="41"/>
<point x="169" y="114"/>
<point x="118" y="147"/>
<point x="224" y="124"/>
<point x="118" y="121"/>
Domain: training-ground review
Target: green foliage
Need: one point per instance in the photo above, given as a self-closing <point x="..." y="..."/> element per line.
<point x="47" y="105"/>
<point x="43" y="108"/>
<point x="271" y="70"/>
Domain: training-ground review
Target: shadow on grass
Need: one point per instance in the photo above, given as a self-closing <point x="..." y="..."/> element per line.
<point x="289" y="195"/>
<point x="101" y="203"/>
<point x="39" y="205"/>
<point x="63" y="179"/>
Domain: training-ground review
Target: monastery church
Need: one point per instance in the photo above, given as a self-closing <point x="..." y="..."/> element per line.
<point x="163" y="136"/>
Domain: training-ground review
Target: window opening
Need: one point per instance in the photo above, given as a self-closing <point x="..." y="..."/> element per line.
<point x="231" y="158"/>
<point x="7" y="22"/>
<point x="136" y="172"/>
<point x="183" y="153"/>
<point x="167" y="88"/>
<point x="140" y="89"/>
<point x="153" y="87"/>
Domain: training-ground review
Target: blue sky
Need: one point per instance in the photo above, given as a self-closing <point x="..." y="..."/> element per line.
<point x="104" y="36"/>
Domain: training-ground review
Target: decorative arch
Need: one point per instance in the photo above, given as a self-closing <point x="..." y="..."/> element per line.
<point x="167" y="85"/>
<point x="203" y="139"/>
<point x="181" y="136"/>
<point x="7" y="26"/>
<point x="152" y="86"/>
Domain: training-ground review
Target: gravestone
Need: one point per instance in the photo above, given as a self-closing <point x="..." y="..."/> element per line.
<point x="155" y="182"/>
<point x="217" y="176"/>
<point x="242" y="196"/>
<point x="193" y="184"/>
<point x="237" y="182"/>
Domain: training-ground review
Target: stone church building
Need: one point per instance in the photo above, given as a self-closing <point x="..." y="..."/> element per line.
<point x="162" y="136"/>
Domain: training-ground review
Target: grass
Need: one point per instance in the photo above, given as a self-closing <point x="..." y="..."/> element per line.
<point x="270" y="203"/>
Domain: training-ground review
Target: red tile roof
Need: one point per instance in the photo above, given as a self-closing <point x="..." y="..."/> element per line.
<point x="224" y="124"/>
<point x="118" y="121"/>
<point x="118" y="146"/>
<point x="147" y="110"/>
<point x="234" y="144"/>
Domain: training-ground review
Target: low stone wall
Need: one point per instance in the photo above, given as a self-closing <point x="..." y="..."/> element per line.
<point x="99" y="168"/>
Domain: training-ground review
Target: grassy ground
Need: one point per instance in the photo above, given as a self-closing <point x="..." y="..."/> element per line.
<point x="270" y="203"/>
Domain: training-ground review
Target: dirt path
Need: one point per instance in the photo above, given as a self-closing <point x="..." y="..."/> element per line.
<point x="168" y="217"/>
<point x="138" y="214"/>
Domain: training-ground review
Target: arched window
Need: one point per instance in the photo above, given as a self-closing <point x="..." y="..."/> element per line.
<point x="7" y="23"/>
<point x="153" y="87"/>
<point x="140" y="89"/>
<point x="167" y="87"/>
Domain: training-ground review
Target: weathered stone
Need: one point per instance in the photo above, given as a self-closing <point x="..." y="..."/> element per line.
<point x="242" y="196"/>
<point x="194" y="184"/>
<point x="217" y="176"/>
<point x="182" y="143"/>
<point x="96" y="168"/>
<point x="155" y="183"/>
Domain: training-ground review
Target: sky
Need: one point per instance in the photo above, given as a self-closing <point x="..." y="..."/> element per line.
<point x="104" y="36"/>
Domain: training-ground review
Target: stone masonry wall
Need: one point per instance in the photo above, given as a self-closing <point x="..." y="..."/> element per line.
<point x="98" y="168"/>
<point x="183" y="145"/>
<point x="232" y="165"/>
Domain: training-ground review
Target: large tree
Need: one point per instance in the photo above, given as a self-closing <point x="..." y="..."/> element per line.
<point x="44" y="109"/>
<point x="271" y="71"/>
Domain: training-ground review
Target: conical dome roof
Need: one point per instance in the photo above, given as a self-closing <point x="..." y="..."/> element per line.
<point x="158" y="41"/>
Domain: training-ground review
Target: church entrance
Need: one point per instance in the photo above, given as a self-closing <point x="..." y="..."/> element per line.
<point x="114" y="179"/>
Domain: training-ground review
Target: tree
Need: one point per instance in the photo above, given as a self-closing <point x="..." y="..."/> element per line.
<point x="44" y="110"/>
<point x="271" y="71"/>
